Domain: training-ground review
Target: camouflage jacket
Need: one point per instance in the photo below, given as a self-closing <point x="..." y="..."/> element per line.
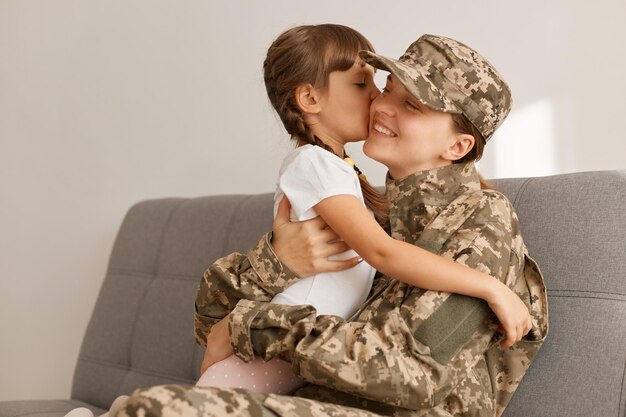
<point x="406" y="351"/>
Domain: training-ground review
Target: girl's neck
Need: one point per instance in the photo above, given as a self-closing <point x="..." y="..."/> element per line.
<point x="327" y="137"/>
<point x="338" y="148"/>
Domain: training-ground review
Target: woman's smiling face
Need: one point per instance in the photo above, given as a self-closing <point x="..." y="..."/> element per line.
<point x="404" y="134"/>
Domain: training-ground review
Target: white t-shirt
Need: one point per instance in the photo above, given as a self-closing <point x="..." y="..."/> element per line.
<point x="308" y="175"/>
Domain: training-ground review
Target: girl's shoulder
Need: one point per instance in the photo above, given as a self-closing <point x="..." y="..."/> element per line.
<point x="314" y="158"/>
<point x="313" y="151"/>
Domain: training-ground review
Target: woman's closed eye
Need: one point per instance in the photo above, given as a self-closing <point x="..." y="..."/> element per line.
<point x="411" y="106"/>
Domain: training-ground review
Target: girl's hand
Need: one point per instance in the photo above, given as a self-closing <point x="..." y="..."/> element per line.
<point x="304" y="247"/>
<point x="512" y="313"/>
<point x="218" y="345"/>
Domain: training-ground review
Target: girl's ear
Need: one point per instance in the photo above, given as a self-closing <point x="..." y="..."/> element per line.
<point x="462" y="144"/>
<point x="308" y="99"/>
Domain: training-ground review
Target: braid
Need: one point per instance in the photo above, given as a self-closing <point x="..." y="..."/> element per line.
<point x="374" y="199"/>
<point x="301" y="131"/>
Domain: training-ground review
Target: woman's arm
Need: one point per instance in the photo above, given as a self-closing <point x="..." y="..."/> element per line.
<point x="305" y="246"/>
<point x="234" y="277"/>
<point x="420" y="268"/>
<point x="259" y="274"/>
<point x="379" y="359"/>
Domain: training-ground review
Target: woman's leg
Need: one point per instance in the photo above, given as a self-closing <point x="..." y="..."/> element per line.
<point x="192" y="401"/>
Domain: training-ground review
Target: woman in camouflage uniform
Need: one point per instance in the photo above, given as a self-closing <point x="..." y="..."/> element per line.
<point x="407" y="352"/>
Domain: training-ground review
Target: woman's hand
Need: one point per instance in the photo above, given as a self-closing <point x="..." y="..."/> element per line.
<point x="304" y="247"/>
<point x="218" y="345"/>
<point x="512" y="312"/>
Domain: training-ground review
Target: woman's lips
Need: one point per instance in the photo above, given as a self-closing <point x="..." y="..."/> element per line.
<point x="382" y="129"/>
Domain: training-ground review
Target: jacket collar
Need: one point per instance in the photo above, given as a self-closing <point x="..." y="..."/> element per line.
<point x="424" y="194"/>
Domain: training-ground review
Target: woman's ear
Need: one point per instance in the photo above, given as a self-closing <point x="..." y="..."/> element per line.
<point x="459" y="147"/>
<point x="308" y="99"/>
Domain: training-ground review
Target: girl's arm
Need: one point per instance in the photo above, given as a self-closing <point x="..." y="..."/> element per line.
<point x="415" y="266"/>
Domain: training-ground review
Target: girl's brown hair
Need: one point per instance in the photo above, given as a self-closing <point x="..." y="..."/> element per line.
<point x="293" y="59"/>
<point x="463" y="125"/>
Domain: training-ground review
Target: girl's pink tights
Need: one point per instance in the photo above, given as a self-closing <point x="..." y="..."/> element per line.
<point x="272" y="377"/>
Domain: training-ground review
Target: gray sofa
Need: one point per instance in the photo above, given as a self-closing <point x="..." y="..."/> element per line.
<point x="140" y="333"/>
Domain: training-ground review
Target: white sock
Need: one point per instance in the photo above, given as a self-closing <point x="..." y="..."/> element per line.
<point x="117" y="405"/>
<point x="80" y="412"/>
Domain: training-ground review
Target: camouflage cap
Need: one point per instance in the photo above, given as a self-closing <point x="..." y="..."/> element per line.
<point x="447" y="75"/>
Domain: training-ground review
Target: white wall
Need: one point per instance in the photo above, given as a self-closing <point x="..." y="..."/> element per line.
<point x="105" y="103"/>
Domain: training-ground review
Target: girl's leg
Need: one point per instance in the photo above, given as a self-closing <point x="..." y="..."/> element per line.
<point x="273" y="377"/>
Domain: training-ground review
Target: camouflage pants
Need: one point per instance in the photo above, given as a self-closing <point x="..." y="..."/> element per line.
<point x="192" y="401"/>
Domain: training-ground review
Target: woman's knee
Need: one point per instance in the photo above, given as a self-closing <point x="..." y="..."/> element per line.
<point x="189" y="400"/>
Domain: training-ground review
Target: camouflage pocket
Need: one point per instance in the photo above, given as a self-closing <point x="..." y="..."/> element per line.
<point x="447" y="330"/>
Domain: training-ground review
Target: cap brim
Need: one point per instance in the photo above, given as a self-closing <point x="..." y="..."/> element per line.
<point x="415" y="79"/>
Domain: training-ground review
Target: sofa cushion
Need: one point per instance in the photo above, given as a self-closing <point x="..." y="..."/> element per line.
<point x="575" y="227"/>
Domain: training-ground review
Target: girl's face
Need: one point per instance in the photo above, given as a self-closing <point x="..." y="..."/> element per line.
<point x="345" y="105"/>
<point x="405" y="135"/>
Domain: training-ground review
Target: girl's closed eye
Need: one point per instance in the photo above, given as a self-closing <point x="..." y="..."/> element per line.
<point x="361" y="83"/>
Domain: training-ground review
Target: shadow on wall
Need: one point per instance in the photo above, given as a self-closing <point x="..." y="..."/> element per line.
<point x="524" y="145"/>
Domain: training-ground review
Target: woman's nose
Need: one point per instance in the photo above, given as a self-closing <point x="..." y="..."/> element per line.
<point x="381" y="104"/>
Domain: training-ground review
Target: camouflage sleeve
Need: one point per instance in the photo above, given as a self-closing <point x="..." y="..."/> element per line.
<point x="412" y="350"/>
<point x="485" y="242"/>
<point x="257" y="275"/>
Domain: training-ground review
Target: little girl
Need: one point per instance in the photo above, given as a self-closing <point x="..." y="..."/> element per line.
<point x="322" y="92"/>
